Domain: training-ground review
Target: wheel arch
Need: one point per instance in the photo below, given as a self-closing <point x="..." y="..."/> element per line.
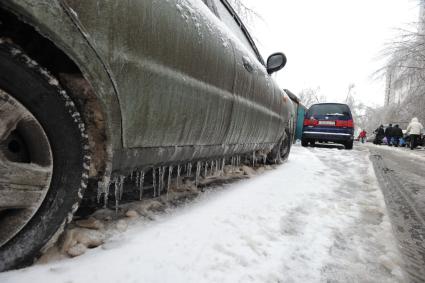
<point x="48" y="35"/>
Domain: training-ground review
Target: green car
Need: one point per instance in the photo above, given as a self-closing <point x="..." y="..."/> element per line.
<point x="92" y="91"/>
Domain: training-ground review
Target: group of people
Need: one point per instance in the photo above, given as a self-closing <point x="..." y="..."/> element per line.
<point x="393" y="135"/>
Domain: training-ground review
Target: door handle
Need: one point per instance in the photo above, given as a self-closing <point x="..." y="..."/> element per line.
<point x="247" y="64"/>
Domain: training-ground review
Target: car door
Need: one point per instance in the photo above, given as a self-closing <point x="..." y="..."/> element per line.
<point x="173" y="67"/>
<point x="256" y="113"/>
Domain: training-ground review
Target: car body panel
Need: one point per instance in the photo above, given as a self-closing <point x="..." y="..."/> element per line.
<point x="170" y="75"/>
<point x="175" y="84"/>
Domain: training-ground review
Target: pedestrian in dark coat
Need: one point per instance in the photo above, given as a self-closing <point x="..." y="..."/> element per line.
<point x="379" y="135"/>
<point x="397" y="135"/>
<point x="389" y="134"/>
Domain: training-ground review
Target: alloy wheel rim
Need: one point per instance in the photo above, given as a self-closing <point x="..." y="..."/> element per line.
<point x="26" y="166"/>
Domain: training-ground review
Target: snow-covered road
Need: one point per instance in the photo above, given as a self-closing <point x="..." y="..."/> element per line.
<point x="319" y="217"/>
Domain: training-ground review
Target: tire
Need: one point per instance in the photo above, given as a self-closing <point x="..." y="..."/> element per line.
<point x="22" y="80"/>
<point x="312" y="142"/>
<point x="349" y="145"/>
<point x="280" y="152"/>
<point x="304" y="142"/>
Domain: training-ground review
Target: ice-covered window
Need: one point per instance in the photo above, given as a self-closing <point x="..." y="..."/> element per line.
<point x="230" y="21"/>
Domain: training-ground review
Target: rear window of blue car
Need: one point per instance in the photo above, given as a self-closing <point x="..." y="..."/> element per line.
<point x="329" y="110"/>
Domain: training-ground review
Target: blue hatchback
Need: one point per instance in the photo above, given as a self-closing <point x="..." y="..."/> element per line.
<point x="328" y="122"/>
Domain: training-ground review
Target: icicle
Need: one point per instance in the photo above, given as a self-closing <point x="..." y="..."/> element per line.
<point x="100" y="191"/>
<point x="189" y="169"/>
<point x="160" y="180"/>
<point x="118" y="186"/>
<point x="170" y="172"/>
<point x="253" y="159"/>
<point x="141" y="180"/>
<point x="163" y="177"/>
<point x="206" y="169"/>
<point x="154" y="182"/>
<point x="106" y="195"/>
<point x="198" y="172"/>
<point x="223" y="163"/>
<point x="137" y="181"/>
<point x="216" y="166"/>
<point x="264" y="160"/>
<point x="131" y="175"/>
<point x="212" y="168"/>
<point x="116" y="193"/>
<point x="103" y="189"/>
<point x="178" y="175"/>
<point x="122" y="179"/>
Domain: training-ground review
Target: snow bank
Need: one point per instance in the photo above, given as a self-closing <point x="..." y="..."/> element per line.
<point x="318" y="217"/>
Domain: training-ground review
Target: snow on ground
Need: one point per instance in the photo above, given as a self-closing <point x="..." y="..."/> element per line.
<point x="319" y="217"/>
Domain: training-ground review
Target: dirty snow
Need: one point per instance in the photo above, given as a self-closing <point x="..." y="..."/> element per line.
<point x="319" y="217"/>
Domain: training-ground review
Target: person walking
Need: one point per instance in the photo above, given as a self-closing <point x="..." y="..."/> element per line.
<point x="389" y="134"/>
<point x="414" y="129"/>
<point x="379" y="135"/>
<point x="397" y="135"/>
<point x="362" y="136"/>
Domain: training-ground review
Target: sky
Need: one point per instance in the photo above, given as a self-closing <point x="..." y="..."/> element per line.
<point x="331" y="44"/>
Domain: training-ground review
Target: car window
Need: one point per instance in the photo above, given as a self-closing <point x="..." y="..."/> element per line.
<point x="229" y="20"/>
<point x="329" y="109"/>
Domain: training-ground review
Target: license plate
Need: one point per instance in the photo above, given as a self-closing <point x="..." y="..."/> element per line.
<point x="328" y="123"/>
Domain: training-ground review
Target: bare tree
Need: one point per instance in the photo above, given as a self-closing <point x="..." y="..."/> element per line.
<point x="358" y="109"/>
<point x="309" y="96"/>
<point x="405" y="73"/>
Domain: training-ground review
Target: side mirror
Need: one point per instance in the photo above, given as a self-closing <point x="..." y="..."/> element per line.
<point x="276" y="62"/>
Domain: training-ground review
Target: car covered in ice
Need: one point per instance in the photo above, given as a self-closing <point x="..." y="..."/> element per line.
<point x="328" y="122"/>
<point x="94" y="91"/>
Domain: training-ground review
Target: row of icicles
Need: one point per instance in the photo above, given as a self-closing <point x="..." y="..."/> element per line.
<point x="162" y="175"/>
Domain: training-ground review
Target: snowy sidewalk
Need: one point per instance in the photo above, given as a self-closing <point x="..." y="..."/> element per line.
<point x="319" y="217"/>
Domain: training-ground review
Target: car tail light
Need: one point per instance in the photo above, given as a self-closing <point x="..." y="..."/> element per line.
<point x="344" y="123"/>
<point x="311" y="122"/>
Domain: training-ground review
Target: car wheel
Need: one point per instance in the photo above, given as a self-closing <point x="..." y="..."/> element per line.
<point x="281" y="151"/>
<point x="312" y="142"/>
<point x="44" y="160"/>
<point x="304" y="142"/>
<point x="349" y="145"/>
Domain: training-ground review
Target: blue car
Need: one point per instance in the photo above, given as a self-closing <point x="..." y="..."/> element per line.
<point x="328" y="122"/>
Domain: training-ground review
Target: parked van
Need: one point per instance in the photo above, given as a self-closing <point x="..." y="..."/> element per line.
<point x="328" y="122"/>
